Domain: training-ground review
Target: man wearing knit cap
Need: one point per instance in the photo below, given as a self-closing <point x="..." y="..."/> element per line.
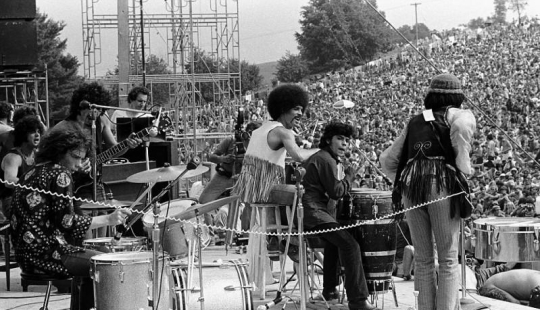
<point x="425" y="161"/>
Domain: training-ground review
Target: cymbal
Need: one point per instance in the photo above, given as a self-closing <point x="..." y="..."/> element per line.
<point x="199" y="209"/>
<point x="110" y="204"/>
<point x="165" y="174"/>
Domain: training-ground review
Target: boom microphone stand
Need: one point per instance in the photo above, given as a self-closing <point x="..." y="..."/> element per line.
<point x="193" y="164"/>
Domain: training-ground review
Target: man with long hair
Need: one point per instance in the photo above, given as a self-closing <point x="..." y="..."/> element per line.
<point x="425" y="161"/>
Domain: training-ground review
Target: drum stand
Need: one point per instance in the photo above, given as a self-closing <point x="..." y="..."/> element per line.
<point x="198" y="232"/>
<point x="193" y="164"/>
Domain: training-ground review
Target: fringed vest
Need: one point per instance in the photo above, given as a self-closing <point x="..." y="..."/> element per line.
<point x="262" y="167"/>
<point x="426" y="158"/>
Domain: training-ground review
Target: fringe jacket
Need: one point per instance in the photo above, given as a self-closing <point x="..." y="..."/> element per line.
<point x="420" y="158"/>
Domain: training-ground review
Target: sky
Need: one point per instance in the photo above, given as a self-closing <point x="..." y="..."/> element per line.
<point x="266" y="27"/>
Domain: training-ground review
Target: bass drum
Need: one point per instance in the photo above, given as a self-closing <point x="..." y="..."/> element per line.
<point x="226" y="286"/>
<point x="123" y="281"/>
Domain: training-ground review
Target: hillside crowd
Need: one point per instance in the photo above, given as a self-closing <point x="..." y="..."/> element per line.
<point x="499" y="67"/>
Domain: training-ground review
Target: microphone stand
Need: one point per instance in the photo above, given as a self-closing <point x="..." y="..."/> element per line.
<point x="193" y="164"/>
<point x="94" y="156"/>
<point x="300" y="172"/>
<point x="388" y="181"/>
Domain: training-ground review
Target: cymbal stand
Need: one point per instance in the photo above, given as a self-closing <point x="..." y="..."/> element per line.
<point x="155" y="256"/>
<point x="193" y="164"/>
<point x="198" y="231"/>
<point x="300" y="172"/>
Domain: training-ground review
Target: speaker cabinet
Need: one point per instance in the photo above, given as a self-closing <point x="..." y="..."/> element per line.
<point x="18" y="9"/>
<point x="18" y="47"/>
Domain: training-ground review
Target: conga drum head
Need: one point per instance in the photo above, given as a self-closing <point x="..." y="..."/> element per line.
<point x="365" y="204"/>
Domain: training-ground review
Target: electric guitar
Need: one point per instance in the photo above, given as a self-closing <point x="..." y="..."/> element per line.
<point x="83" y="180"/>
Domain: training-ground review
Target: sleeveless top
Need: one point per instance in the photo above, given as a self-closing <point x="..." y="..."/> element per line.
<point x="262" y="167"/>
<point x="4" y="191"/>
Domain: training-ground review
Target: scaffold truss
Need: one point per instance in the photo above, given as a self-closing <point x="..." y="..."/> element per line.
<point x="191" y="26"/>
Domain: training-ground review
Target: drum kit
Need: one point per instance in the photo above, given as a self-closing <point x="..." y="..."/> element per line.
<point x="129" y="276"/>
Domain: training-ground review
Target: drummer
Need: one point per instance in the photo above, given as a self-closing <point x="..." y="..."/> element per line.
<point x="45" y="226"/>
<point x="325" y="182"/>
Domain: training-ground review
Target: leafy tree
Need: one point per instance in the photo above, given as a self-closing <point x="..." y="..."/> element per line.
<point x="291" y="68"/>
<point x="61" y="69"/>
<point x="518" y="6"/>
<point x="249" y="75"/>
<point x="160" y="92"/>
<point x="337" y="33"/>
<point x="500" y="11"/>
<point x="409" y="32"/>
<point x="154" y="66"/>
<point x="476" y="23"/>
<point x="206" y="64"/>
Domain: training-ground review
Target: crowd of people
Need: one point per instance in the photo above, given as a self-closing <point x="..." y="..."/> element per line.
<point x="496" y="69"/>
<point x="499" y="69"/>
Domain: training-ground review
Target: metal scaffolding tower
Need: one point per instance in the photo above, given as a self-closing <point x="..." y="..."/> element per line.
<point x="27" y="88"/>
<point x="208" y="30"/>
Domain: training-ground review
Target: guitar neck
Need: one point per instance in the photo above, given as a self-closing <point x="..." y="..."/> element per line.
<point x="118" y="148"/>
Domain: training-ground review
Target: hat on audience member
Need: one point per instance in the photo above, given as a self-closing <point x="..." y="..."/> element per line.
<point x="445" y="84"/>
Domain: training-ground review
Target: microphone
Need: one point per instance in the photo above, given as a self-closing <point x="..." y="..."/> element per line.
<point x="193" y="163"/>
<point x="120" y="230"/>
<point x="155" y="125"/>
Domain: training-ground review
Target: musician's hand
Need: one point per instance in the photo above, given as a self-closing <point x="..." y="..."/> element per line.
<point x="351" y="169"/>
<point x="133" y="141"/>
<point x="227" y="158"/>
<point x="86" y="166"/>
<point x="119" y="216"/>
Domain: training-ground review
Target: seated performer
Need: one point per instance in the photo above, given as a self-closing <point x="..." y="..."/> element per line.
<point x="325" y="183"/>
<point x="264" y="164"/>
<point x="45" y="225"/>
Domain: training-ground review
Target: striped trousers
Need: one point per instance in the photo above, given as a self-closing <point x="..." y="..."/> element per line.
<point x="429" y="225"/>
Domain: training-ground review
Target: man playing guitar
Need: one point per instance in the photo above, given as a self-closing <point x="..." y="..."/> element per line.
<point x="81" y="117"/>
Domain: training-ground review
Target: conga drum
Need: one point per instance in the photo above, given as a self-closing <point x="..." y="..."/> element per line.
<point x="507" y="239"/>
<point x="377" y="239"/>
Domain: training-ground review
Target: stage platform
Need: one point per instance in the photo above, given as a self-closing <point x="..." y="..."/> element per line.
<point x="16" y="299"/>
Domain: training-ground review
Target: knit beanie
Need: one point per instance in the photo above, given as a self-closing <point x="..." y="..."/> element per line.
<point x="445" y="84"/>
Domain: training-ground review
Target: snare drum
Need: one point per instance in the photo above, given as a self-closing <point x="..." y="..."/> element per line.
<point x="226" y="286"/>
<point x="104" y="244"/>
<point x="365" y="204"/>
<point x="174" y="240"/>
<point x="123" y="281"/>
<point x="507" y="239"/>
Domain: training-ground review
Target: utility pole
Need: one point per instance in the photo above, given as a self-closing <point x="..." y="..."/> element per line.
<point x="416" y="4"/>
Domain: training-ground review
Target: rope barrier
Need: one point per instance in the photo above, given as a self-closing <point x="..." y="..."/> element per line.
<point x="238" y="231"/>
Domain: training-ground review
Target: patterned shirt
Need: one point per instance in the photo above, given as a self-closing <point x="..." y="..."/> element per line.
<point x="44" y="224"/>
